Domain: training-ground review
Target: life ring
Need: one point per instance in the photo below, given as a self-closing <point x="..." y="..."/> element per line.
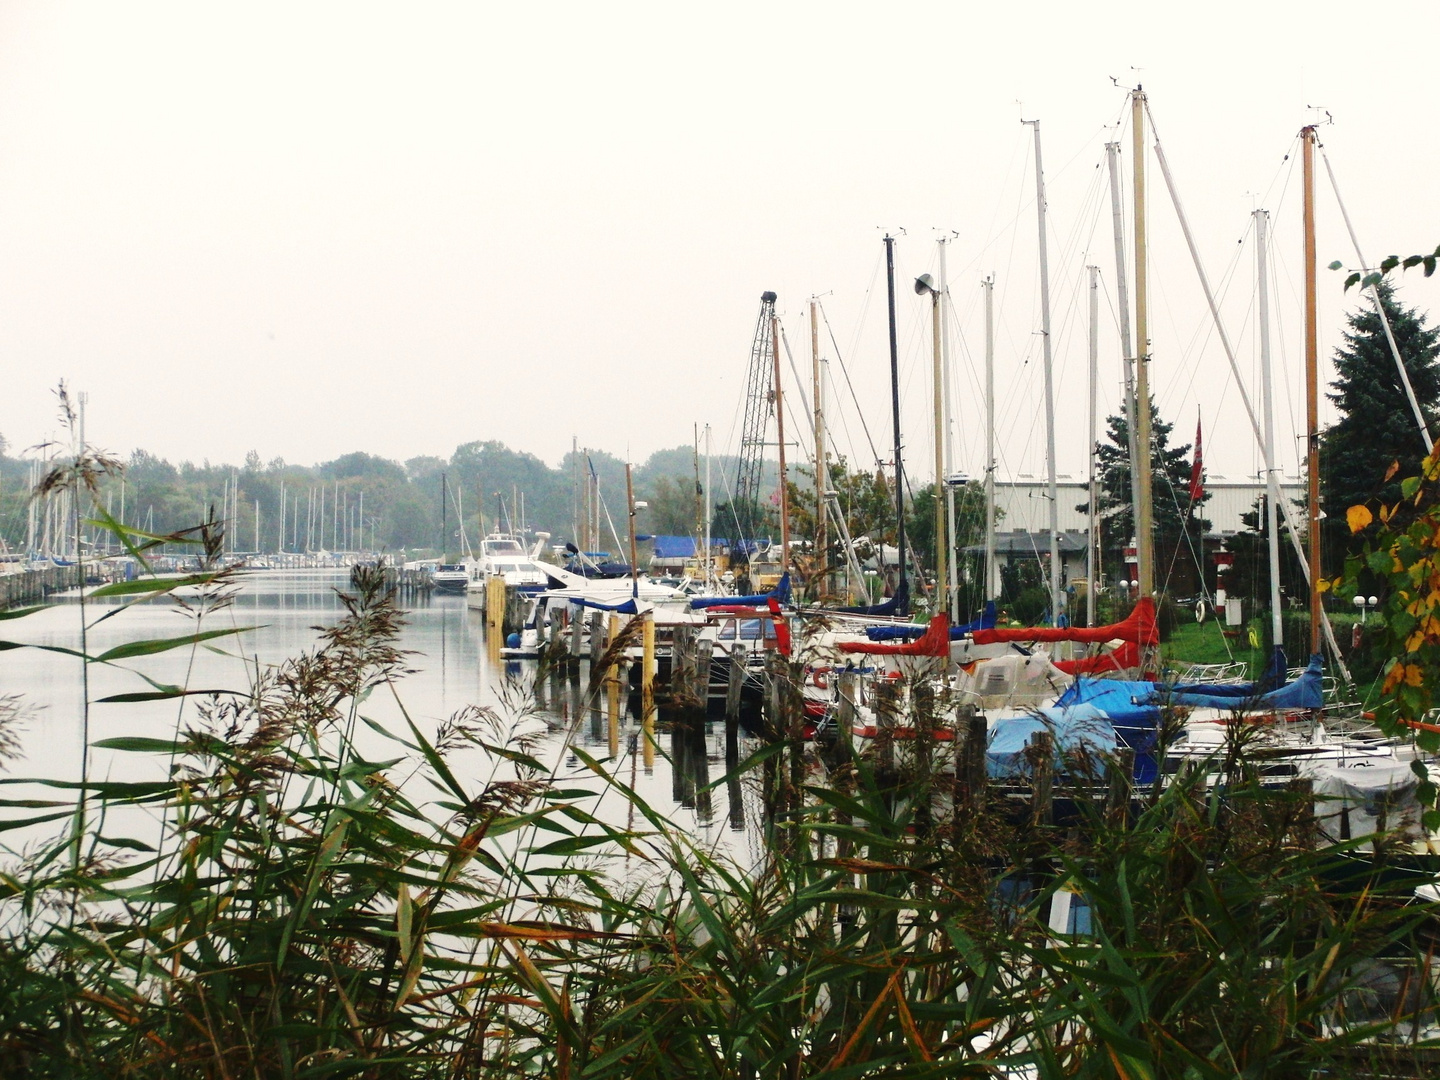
<point x="1199" y="611"/>
<point x="818" y="680"/>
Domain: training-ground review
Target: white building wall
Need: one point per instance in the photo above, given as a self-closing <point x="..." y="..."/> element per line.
<point x="1024" y="502"/>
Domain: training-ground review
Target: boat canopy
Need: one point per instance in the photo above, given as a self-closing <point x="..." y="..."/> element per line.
<point x="1306" y="692"/>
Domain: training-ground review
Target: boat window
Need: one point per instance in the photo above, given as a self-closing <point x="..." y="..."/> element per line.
<point x="1080" y="921"/>
<point x="503" y="547"/>
<point x="727" y="630"/>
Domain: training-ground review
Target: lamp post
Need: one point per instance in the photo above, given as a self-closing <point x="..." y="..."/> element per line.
<point x="1365" y="604"/>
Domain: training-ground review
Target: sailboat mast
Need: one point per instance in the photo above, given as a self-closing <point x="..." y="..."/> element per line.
<point x="1272" y="484"/>
<point x="1122" y="299"/>
<point x="1053" y="494"/>
<point x="989" y="286"/>
<point x="1312" y="385"/>
<point x="780" y="437"/>
<point x="634" y="552"/>
<point x="895" y="412"/>
<point x="949" y="445"/>
<point x="709" y="568"/>
<point x="1145" y="491"/>
<point x="938" y="375"/>
<point x="1092" y="545"/>
<point x="822" y="480"/>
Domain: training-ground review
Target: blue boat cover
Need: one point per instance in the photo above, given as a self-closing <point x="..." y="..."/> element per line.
<point x="914" y="630"/>
<point x="1080" y="728"/>
<point x="626" y="607"/>
<point x="674" y="547"/>
<point x="899" y="604"/>
<point x="1272" y="679"/>
<point x="1306" y="692"/>
<point x="781" y="595"/>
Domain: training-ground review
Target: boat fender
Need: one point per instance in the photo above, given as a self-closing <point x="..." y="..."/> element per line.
<point x="513" y="641"/>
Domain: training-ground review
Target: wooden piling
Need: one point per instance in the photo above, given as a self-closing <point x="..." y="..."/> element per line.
<point x="612" y="689"/>
<point x="1042" y="755"/>
<point x="735" y="684"/>
<point x="647" y="689"/>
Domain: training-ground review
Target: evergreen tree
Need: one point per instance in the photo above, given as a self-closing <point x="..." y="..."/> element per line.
<point x="1175" y="518"/>
<point x="1376" y="426"/>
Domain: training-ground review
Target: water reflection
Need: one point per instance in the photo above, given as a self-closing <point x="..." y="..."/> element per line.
<point x="283" y="613"/>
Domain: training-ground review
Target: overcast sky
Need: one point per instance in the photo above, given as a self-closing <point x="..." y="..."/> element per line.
<point x="310" y="229"/>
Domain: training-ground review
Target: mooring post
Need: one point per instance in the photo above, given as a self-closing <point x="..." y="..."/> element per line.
<point x="612" y="688"/>
<point x="647" y="689"/>
<point x="597" y="639"/>
<point x="577" y="630"/>
<point x="1042" y="753"/>
<point x="704" y="653"/>
<point x="971" y="768"/>
<point x="734" y="685"/>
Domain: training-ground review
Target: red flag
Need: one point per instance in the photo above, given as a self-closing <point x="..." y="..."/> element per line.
<point x="1197" y="468"/>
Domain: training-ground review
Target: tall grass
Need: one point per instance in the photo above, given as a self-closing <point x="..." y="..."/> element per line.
<point x="279" y="902"/>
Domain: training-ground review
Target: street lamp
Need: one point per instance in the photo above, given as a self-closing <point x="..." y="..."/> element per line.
<point x="1366" y="604"/>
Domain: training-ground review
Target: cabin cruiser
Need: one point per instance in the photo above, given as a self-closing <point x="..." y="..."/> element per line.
<point x="450" y="577"/>
<point x="504" y="555"/>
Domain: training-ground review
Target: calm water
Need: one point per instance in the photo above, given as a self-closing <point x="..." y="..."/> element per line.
<point x="452" y="669"/>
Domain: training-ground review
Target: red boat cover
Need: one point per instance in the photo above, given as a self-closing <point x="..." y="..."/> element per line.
<point x="934" y="642"/>
<point x="1139" y="627"/>
<point x="1126" y="656"/>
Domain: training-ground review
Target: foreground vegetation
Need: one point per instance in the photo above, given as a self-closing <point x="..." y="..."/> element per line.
<point x="302" y="891"/>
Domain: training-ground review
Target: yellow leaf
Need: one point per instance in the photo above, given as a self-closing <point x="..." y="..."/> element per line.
<point x="1413" y="675"/>
<point x="1358" y="517"/>
<point x="1391" y="471"/>
<point x="1322" y="585"/>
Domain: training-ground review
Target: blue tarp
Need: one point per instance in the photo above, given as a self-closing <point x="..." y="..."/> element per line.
<point x="1080" y="728"/>
<point x="674" y="547"/>
<point x="914" y="630"/>
<point x="781" y="595"/>
<point x="1306" y="692"/>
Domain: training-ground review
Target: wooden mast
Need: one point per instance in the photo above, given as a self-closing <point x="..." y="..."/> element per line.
<point x="1144" y="488"/>
<point x="780" y="437"/>
<point x="895" y="412"/>
<point x="1312" y="385"/>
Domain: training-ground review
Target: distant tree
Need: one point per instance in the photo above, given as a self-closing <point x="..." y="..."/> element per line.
<point x="1178" y="523"/>
<point x="1376" y="427"/>
<point x="674" y="506"/>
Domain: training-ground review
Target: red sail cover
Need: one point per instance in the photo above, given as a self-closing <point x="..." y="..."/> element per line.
<point x="1126" y="656"/>
<point x="1139" y="627"/>
<point x="934" y="642"/>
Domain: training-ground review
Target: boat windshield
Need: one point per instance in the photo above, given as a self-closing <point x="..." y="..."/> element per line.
<point x="750" y="629"/>
<point x="503" y="547"/>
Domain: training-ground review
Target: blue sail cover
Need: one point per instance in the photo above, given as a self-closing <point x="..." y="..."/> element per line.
<point x="914" y="630"/>
<point x="899" y="604"/>
<point x="625" y="607"/>
<point x="781" y="595"/>
<point x="1272" y="679"/>
<point x="1306" y="692"/>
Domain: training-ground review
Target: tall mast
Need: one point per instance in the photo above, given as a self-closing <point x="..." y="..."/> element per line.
<point x="1145" y="491"/>
<point x="780" y="437"/>
<point x="1312" y="385"/>
<point x="1272" y="483"/>
<point x="1092" y="544"/>
<point x="1053" y="494"/>
<point x="634" y="553"/>
<point x="822" y="481"/>
<point x="990" y="590"/>
<point x="709" y="570"/>
<point x="923" y="284"/>
<point x="949" y="444"/>
<point x="1122" y="298"/>
<point x="895" y="411"/>
<point x="444" y="532"/>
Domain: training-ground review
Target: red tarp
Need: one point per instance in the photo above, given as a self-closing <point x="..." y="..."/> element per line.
<point x="1139" y="627"/>
<point x="934" y="642"/>
<point x="1126" y="656"/>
